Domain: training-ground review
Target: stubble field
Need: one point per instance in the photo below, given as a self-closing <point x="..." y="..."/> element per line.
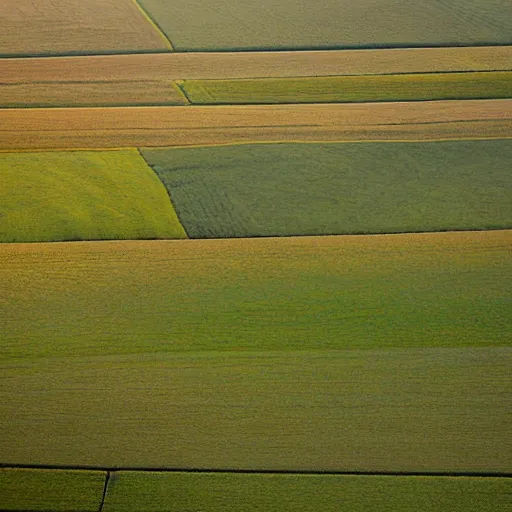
<point x="76" y="28"/>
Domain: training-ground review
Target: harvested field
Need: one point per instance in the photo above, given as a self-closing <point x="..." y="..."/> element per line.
<point x="78" y="27"/>
<point x="56" y="490"/>
<point x="385" y="353"/>
<point x="316" y="189"/>
<point x="172" y="66"/>
<point x="82" y="196"/>
<point x="282" y="24"/>
<point x="204" y="125"/>
<point x="175" y="492"/>
<point x="347" y="89"/>
<point x="88" y="94"/>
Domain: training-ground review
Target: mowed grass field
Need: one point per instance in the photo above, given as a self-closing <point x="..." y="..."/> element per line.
<point x="159" y="492"/>
<point x="224" y="124"/>
<point x="82" y="195"/>
<point x="31" y="28"/>
<point x="416" y="87"/>
<point x="344" y="353"/>
<point x="55" y="490"/>
<point x="89" y="94"/>
<point x="172" y="66"/>
<point x="314" y="189"/>
<point x="281" y="24"/>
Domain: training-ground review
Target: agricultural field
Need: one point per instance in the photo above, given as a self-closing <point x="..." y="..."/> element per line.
<point x="83" y="195"/>
<point x="202" y="25"/>
<point x="175" y="492"/>
<point x="47" y="27"/>
<point x="319" y="189"/>
<point x="88" y="94"/>
<point x="255" y="256"/>
<point x="55" y="490"/>
<point x="416" y="87"/>
<point x="225" y="124"/>
<point x="211" y="65"/>
<point x="383" y="353"/>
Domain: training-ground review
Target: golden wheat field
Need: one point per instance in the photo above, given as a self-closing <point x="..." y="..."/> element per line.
<point x="52" y="27"/>
<point x="180" y="126"/>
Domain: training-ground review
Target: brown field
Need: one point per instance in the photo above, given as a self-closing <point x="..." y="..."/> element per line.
<point x="182" y="126"/>
<point x="51" y="27"/>
<point x="254" y="64"/>
<point x="90" y="94"/>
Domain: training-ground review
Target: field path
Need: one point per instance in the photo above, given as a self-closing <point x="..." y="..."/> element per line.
<point x="182" y="126"/>
<point x="170" y="66"/>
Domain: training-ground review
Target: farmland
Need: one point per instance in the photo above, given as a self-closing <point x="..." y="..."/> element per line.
<point x="225" y="124"/>
<point x="154" y="492"/>
<point x="82" y="196"/>
<point x="312" y="189"/>
<point x="255" y="256"/>
<point x="80" y="27"/>
<point x="90" y="94"/>
<point x="416" y="87"/>
<point x="199" y="25"/>
<point x="172" y="66"/>
<point x="386" y="321"/>
<point x="43" y="490"/>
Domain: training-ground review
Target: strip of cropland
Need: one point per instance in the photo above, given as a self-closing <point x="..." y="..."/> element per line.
<point x="204" y="25"/>
<point x="416" y="87"/>
<point x="89" y="94"/>
<point x="82" y="195"/>
<point x="318" y="189"/>
<point x="223" y="124"/>
<point x="379" y="353"/>
<point x="172" y="66"/>
<point x="175" y="492"/>
<point x="32" y="28"/>
<point x="56" y="490"/>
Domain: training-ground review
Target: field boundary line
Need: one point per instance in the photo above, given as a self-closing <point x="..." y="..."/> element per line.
<point x="154" y="24"/>
<point x="177" y="86"/>
<point x="249" y="143"/>
<point x="105" y="490"/>
<point x="109" y="470"/>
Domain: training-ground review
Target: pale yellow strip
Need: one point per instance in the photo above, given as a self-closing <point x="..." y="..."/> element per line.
<point x="154" y="25"/>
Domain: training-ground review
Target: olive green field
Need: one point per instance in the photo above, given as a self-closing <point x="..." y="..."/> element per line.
<point x="383" y="353"/>
<point x="82" y="195"/>
<point x="175" y="492"/>
<point x="317" y="189"/>
<point x="207" y="25"/>
<point x="336" y="89"/>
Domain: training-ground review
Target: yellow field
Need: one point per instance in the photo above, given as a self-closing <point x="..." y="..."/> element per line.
<point x="184" y="126"/>
<point x="90" y="94"/>
<point x="52" y="27"/>
<point x="171" y="66"/>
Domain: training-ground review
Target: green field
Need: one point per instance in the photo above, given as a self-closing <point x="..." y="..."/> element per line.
<point x="175" y="492"/>
<point x="279" y="24"/>
<point x="82" y="195"/>
<point x="55" y="490"/>
<point x="314" y="189"/>
<point x="336" y="89"/>
<point x="347" y="353"/>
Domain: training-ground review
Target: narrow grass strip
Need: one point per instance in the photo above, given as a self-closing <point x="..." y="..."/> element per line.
<point x="176" y="492"/>
<point x="409" y="87"/>
<point x="55" y="490"/>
